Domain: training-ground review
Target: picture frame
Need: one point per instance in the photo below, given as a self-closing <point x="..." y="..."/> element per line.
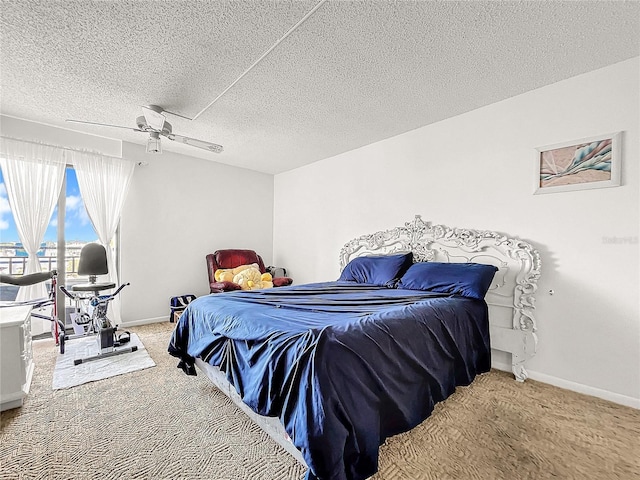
<point x="592" y="162"/>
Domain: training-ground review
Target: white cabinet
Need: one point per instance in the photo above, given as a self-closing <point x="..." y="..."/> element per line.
<point x="16" y="356"/>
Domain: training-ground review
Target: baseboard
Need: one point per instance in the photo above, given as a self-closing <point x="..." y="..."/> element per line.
<point x="576" y="387"/>
<point x="144" y="321"/>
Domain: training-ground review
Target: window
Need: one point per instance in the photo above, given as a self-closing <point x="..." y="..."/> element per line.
<point x="77" y="230"/>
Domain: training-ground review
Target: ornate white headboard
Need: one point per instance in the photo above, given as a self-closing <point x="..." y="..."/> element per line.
<point x="511" y="297"/>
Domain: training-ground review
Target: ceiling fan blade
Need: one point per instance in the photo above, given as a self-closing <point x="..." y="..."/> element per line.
<point x="153" y="116"/>
<point x="103" y="125"/>
<point x="212" y="147"/>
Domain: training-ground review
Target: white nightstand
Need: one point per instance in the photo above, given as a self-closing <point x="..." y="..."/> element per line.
<point x="16" y="356"/>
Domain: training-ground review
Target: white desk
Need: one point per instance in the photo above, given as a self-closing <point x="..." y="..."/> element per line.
<point x="16" y="356"/>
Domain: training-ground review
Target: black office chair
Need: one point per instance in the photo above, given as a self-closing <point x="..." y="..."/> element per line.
<point x="93" y="262"/>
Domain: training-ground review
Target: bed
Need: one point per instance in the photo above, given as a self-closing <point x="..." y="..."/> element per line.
<point x="331" y="369"/>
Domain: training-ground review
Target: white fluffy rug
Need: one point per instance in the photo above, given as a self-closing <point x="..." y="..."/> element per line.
<point x="67" y="375"/>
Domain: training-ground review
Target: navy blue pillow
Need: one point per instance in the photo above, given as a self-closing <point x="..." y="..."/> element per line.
<point x="381" y="270"/>
<point x="466" y="279"/>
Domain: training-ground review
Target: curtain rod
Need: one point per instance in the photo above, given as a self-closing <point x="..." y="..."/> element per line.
<point x="58" y="146"/>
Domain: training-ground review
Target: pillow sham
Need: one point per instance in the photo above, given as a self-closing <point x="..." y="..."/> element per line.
<point x="381" y="270"/>
<point x="470" y="280"/>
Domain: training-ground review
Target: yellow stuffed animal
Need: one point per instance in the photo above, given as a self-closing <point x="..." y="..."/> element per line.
<point x="252" y="279"/>
<point x="227" y="274"/>
<point x="247" y="276"/>
<point x="223" y="275"/>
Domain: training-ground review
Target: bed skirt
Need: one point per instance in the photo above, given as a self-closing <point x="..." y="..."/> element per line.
<point x="271" y="425"/>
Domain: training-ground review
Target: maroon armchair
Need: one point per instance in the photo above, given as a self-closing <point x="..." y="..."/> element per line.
<point x="232" y="259"/>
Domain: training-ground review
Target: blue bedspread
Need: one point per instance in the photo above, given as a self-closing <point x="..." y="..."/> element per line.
<point x="343" y="365"/>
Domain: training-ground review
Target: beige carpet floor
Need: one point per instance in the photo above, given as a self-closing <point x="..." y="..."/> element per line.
<point x="160" y="424"/>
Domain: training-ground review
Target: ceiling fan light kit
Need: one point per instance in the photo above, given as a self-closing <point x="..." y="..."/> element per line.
<point x="153" y="143"/>
<point x="153" y="122"/>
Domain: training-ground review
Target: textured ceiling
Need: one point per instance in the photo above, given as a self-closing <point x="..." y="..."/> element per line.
<point x="353" y="73"/>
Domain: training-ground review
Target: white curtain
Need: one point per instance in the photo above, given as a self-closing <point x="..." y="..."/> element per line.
<point x="33" y="176"/>
<point x="104" y="183"/>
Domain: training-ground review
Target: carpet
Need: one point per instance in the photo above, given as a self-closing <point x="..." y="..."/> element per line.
<point x="67" y="375"/>
<point x="158" y="423"/>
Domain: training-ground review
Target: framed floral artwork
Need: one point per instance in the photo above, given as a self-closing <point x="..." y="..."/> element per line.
<point x="592" y="162"/>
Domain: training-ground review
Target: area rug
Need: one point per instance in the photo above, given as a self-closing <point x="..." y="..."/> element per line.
<point x="67" y="375"/>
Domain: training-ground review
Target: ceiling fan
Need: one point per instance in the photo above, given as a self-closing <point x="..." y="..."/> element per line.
<point x="153" y="122"/>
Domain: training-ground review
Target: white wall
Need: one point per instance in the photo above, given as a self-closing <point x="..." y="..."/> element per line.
<point x="178" y="210"/>
<point x="476" y="171"/>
